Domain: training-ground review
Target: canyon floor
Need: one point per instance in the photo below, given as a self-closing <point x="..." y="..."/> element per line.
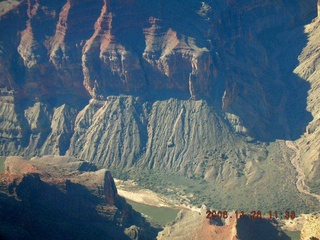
<point x="133" y="192"/>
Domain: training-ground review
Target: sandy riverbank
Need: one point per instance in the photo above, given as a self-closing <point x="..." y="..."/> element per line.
<point x="131" y="191"/>
<point x="295" y="224"/>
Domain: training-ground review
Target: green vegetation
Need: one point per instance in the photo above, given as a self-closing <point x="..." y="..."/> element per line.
<point x="314" y="186"/>
<point x="269" y="186"/>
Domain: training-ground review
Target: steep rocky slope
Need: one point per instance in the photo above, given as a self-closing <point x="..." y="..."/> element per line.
<point x="192" y="88"/>
<point x="64" y="198"/>
<point x="309" y="69"/>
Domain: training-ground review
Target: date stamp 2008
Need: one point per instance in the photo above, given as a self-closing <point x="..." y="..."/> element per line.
<point x="253" y="214"/>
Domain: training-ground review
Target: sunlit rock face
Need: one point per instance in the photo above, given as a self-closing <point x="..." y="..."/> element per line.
<point x="157" y="84"/>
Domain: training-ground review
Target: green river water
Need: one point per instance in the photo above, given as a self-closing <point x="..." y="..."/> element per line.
<point x="165" y="215"/>
<point x="293" y="235"/>
<point x="2" y="164"/>
<point x="161" y="215"/>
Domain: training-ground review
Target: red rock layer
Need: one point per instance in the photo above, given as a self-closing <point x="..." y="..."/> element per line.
<point x="110" y="50"/>
<point x="68" y="51"/>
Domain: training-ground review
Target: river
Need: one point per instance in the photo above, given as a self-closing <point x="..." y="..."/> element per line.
<point x="164" y="215"/>
<point x="2" y="159"/>
<point x="161" y="215"/>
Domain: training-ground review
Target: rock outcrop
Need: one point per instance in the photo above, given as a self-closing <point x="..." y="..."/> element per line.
<point x="194" y="225"/>
<point x="64" y="198"/>
<point x="311" y="228"/>
<point x="309" y="69"/>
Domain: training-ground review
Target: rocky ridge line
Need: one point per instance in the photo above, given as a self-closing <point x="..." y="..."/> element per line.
<point x="70" y="196"/>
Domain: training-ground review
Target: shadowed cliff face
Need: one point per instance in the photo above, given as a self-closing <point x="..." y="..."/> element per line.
<point x="227" y="51"/>
<point x="60" y="197"/>
<point x="65" y="65"/>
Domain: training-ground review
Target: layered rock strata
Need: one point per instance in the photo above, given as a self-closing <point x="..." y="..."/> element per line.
<point x="225" y="51"/>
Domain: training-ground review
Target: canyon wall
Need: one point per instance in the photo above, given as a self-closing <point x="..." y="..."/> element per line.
<point x="158" y="85"/>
